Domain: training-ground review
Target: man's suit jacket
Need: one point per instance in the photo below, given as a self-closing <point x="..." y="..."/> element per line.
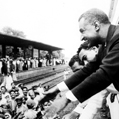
<point x="99" y="74"/>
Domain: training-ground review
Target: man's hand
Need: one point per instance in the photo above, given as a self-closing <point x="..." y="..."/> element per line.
<point x="51" y="91"/>
<point x="72" y="115"/>
<point x="56" y="106"/>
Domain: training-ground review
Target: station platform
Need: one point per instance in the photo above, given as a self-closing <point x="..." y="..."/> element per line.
<point x="40" y="71"/>
<point x="50" y="75"/>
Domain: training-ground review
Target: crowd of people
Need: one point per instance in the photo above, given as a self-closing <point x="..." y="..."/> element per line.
<point x="16" y="100"/>
<point x="9" y="67"/>
<point x="94" y="83"/>
<point x="21" y="64"/>
<point x="23" y="103"/>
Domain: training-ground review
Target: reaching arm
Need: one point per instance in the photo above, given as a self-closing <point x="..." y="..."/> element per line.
<point x="80" y="75"/>
<point x="107" y="73"/>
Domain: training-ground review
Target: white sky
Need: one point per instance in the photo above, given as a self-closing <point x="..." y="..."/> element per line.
<point x="54" y="22"/>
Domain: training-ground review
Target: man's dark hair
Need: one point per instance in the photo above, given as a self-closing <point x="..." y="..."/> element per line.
<point x="83" y="46"/>
<point x="74" y="59"/>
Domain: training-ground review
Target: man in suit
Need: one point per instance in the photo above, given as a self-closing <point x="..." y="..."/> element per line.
<point x="96" y="29"/>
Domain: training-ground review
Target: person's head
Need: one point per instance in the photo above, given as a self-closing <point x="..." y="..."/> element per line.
<point x="40" y="85"/>
<point x="7" y="115"/>
<point x="46" y="88"/>
<point x="7" y="97"/>
<point x="87" y="54"/>
<point x="34" y="87"/>
<point x="93" y="25"/>
<point x="21" y="85"/>
<point x="25" y="90"/>
<point x="19" y="101"/>
<point x="30" y="104"/>
<point x="3" y="89"/>
<point x="5" y="107"/>
<point x="16" y="92"/>
<point x="75" y="63"/>
<point x="32" y="94"/>
<point x="24" y="99"/>
<point x="13" y="85"/>
<point x="12" y="94"/>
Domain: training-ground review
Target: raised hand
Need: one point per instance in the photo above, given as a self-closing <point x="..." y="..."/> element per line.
<point x="72" y="115"/>
<point x="56" y="107"/>
<point x="51" y="91"/>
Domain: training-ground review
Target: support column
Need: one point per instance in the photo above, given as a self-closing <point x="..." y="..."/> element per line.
<point x="32" y="52"/>
<point x="15" y="52"/>
<point x="3" y="51"/>
<point x="38" y="53"/>
<point x="50" y="57"/>
<point x="24" y="50"/>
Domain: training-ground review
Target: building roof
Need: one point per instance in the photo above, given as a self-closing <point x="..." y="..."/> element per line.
<point x="21" y="42"/>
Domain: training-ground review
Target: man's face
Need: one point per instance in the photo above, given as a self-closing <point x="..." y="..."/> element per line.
<point x="89" y="32"/>
<point x="76" y="66"/>
<point x="3" y="90"/>
<point x="25" y="91"/>
<point x="12" y="94"/>
<point x="7" y="98"/>
<point x="88" y="54"/>
<point x="32" y="95"/>
<point x="16" y="93"/>
<point x="13" y="85"/>
<point x="19" y="102"/>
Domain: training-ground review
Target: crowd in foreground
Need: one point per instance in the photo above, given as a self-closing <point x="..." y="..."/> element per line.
<point x="16" y="100"/>
<point x="23" y="103"/>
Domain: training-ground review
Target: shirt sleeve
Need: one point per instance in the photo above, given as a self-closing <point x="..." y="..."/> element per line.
<point x="107" y="73"/>
<point x="78" y="109"/>
<point x="70" y="96"/>
<point x="112" y="89"/>
<point x="62" y="86"/>
<point x="80" y="75"/>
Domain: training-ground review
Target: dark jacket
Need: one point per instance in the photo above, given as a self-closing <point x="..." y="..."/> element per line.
<point x="4" y="69"/>
<point x="96" y="76"/>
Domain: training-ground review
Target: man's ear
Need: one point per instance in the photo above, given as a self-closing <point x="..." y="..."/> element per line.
<point x="97" y="25"/>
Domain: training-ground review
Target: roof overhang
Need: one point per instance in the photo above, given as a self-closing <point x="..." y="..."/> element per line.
<point x="20" y="42"/>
